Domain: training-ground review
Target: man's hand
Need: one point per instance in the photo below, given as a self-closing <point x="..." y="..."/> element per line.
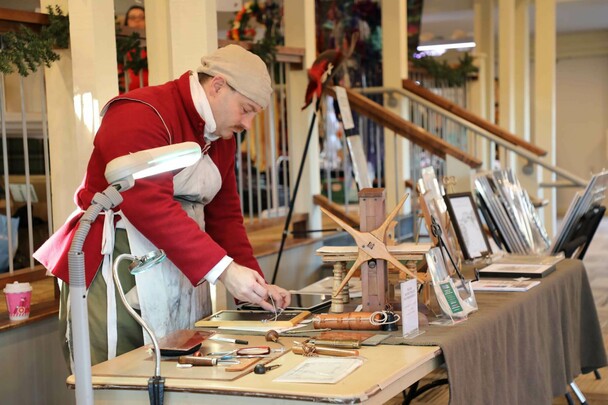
<point x="281" y="297"/>
<point x="248" y="285"/>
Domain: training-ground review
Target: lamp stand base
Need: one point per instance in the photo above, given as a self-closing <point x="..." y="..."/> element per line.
<point x="156" y="390"/>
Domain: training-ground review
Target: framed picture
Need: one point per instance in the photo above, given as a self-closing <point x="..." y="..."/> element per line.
<point x="467" y="224"/>
<point x="433" y="206"/>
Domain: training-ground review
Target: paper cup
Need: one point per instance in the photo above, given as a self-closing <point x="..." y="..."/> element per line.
<point x="18" y="298"/>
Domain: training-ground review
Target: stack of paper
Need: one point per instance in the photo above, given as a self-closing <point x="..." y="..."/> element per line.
<point x="513" y="270"/>
<point x="503" y="285"/>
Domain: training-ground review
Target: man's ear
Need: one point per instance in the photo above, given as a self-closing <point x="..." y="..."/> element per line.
<point x="217" y="82"/>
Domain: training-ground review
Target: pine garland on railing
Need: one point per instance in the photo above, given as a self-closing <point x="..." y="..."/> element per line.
<point x="130" y="45"/>
<point x="455" y="75"/>
<point x="26" y="50"/>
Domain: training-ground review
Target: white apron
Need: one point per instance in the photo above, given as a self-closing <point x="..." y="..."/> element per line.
<point x="167" y="299"/>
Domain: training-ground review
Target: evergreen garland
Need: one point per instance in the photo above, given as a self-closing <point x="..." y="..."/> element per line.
<point x="267" y="13"/>
<point x="442" y="71"/>
<point x="130" y="46"/>
<point x="26" y="50"/>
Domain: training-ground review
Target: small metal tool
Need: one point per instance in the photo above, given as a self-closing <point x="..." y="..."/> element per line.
<point x="262" y="369"/>
<point x="339" y="344"/>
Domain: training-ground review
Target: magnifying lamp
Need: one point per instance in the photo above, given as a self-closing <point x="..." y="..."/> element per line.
<point x="156" y="384"/>
<point x="121" y="174"/>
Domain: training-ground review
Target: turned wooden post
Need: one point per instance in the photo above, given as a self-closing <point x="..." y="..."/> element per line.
<point x="337" y="302"/>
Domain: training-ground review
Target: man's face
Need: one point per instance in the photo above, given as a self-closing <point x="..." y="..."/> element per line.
<point x="232" y="111"/>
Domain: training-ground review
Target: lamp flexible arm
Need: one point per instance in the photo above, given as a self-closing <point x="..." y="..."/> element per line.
<point x="134" y="314"/>
<point x="109" y="198"/>
<point x="105" y="200"/>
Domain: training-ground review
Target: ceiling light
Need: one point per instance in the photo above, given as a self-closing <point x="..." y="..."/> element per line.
<point x="445" y="46"/>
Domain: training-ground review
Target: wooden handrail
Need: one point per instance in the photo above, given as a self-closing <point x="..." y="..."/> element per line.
<point x="264" y="223"/>
<point x="336" y="209"/>
<point x="285" y="54"/>
<point x="428" y="95"/>
<point x="11" y="20"/>
<point x="35" y="273"/>
<point x="414" y="133"/>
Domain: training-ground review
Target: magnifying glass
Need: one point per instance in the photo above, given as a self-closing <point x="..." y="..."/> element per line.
<point x="143" y="263"/>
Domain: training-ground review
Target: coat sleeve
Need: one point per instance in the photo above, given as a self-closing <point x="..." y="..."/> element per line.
<point x="223" y="216"/>
<point x="150" y="205"/>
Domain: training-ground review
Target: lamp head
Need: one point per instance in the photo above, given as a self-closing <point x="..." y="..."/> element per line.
<point x="124" y="170"/>
<point x="143" y="263"/>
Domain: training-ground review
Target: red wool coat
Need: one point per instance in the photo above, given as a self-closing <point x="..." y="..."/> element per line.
<point x="129" y="126"/>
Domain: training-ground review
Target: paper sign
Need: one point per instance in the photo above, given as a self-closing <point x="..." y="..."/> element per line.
<point x="19" y="192"/>
<point x="409" y="306"/>
<point x="347" y="117"/>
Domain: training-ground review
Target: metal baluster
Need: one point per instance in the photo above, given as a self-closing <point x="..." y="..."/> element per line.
<point x="45" y="149"/>
<point x="273" y="184"/>
<point x="26" y="162"/>
<point x="9" y="224"/>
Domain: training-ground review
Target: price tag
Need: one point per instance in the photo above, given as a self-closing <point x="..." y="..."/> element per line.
<point x="347" y="116"/>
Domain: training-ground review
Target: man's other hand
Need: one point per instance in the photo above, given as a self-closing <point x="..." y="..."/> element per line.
<point x="248" y="285"/>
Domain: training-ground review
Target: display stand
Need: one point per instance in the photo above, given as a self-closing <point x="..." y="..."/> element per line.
<point x="371" y="253"/>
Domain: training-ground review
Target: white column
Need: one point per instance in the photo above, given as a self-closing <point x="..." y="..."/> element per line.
<point x="394" y="70"/>
<point x="178" y="33"/>
<point x="77" y="87"/>
<point x="482" y="91"/>
<point x="299" y="20"/>
<point x="524" y="172"/>
<point x="506" y="70"/>
<point x="544" y="100"/>
<point x="522" y="69"/>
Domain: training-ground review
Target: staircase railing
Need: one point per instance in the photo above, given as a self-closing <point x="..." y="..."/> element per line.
<point x="476" y="125"/>
<point x="402" y="127"/>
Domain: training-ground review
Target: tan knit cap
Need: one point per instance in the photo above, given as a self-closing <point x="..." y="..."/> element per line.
<point x="243" y="70"/>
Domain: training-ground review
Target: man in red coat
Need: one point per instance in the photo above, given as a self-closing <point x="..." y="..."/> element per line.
<point x="192" y="214"/>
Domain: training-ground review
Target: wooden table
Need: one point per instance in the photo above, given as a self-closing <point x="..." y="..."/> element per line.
<point x="518" y="348"/>
<point x="387" y="371"/>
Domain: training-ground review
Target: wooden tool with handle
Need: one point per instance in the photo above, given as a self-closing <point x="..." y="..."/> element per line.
<point x="197" y="360"/>
<point x="325" y="351"/>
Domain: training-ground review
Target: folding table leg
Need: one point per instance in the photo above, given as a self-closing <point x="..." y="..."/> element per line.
<point x="569" y="398"/>
<point x="578" y="393"/>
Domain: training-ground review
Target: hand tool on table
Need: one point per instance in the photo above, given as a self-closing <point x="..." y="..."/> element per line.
<point x="198" y="360"/>
<point x="336" y="344"/>
<point x="307" y="349"/>
<point x="262" y="369"/>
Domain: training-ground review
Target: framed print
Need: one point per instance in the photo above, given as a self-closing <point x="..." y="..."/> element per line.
<point x="467" y="224"/>
<point x="432" y="205"/>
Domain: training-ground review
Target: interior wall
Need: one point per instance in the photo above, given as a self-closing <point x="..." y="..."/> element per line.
<point x="582" y="119"/>
<point x="33" y="368"/>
